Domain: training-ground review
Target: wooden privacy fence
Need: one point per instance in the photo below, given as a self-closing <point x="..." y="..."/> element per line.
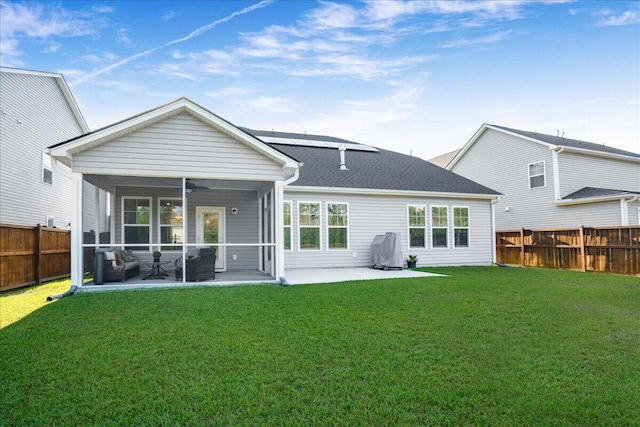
<point x="604" y="249"/>
<point x="31" y="255"/>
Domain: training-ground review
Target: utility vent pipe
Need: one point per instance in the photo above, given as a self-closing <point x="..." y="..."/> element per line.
<point x="343" y="166"/>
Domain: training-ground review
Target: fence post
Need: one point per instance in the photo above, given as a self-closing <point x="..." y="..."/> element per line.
<point x="522" y="247"/>
<point x="37" y="253"/>
<point x="583" y="253"/>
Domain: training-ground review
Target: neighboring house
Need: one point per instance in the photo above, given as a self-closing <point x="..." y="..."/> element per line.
<point x="180" y="177"/>
<point x="37" y="110"/>
<point x="444" y="159"/>
<point x="551" y="181"/>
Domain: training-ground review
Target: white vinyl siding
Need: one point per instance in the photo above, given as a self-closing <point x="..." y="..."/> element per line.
<point x="35" y="115"/>
<point x="439" y="227"/>
<point x="499" y="161"/>
<point x="417" y="226"/>
<point x="309" y="226"/>
<point x="370" y="215"/>
<point x="537" y="175"/>
<point x="337" y="226"/>
<point x="578" y="171"/>
<point x="165" y="147"/>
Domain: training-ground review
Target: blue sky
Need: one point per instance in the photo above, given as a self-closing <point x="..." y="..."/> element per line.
<point x="411" y="76"/>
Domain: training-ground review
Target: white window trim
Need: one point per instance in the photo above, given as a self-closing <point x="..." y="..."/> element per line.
<point x="319" y="226"/>
<point x="447" y="228"/>
<point x="409" y="227"/>
<point x="330" y="226"/>
<point x="46" y="166"/>
<point x="544" y="174"/>
<point x="468" y="227"/>
<point x="159" y="227"/>
<point x="122" y="224"/>
<point x="290" y="203"/>
<point x="638" y="216"/>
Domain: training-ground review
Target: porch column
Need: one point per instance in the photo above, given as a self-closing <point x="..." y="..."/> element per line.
<point x="77" y="266"/>
<point x="279" y="227"/>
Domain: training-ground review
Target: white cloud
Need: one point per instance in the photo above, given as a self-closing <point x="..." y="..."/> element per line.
<point x="36" y="21"/>
<point x="628" y="17"/>
<point x="333" y="15"/>
<point x="492" y="38"/>
<point x="102" y="9"/>
<point x="168" y="15"/>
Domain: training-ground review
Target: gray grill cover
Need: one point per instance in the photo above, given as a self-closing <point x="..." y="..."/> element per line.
<point x="386" y="251"/>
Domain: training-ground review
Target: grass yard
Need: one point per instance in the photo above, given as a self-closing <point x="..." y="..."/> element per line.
<point x="486" y="346"/>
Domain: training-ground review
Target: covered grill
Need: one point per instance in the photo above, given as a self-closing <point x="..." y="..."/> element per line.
<point x="386" y="251"/>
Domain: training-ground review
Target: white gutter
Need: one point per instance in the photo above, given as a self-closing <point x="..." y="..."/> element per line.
<point x="588" y="200"/>
<point x="398" y="193"/>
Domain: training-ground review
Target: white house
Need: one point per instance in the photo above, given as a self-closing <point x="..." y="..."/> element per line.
<point x="551" y="181"/>
<point x="37" y="109"/>
<point x="180" y="176"/>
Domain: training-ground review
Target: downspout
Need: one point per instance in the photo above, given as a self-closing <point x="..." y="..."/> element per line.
<point x="494" y="202"/>
<point x="184" y="230"/>
<point x="280" y="225"/>
<point x="556" y="171"/>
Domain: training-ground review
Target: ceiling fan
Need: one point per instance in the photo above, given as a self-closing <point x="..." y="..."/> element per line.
<point x="190" y="186"/>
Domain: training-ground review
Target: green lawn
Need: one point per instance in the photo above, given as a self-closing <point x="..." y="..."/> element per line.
<point x="487" y="346"/>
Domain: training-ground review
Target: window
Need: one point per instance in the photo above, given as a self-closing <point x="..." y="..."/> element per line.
<point x="136" y="222"/>
<point x="338" y="225"/>
<point x="417" y="226"/>
<point x="47" y="170"/>
<point x="439" y="224"/>
<point x="461" y="227"/>
<point x="286" y="217"/>
<point x="170" y="212"/>
<point x="536" y="175"/>
<point x="309" y="223"/>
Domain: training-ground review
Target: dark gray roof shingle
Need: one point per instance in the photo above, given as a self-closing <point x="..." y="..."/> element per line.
<point x="567" y="142"/>
<point x="383" y="169"/>
<point x="587" y="192"/>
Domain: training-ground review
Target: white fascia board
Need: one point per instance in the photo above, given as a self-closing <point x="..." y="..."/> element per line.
<point x="241" y="136"/>
<point x="59" y="78"/>
<point x="142" y="120"/>
<point x="396" y="193"/>
<point x="72" y="103"/>
<point x="479" y="133"/>
<point x="466" y="147"/>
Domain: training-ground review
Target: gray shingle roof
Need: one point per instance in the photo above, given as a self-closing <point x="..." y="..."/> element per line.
<point x="567" y="142"/>
<point x="383" y="169"/>
<point x="587" y="192"/>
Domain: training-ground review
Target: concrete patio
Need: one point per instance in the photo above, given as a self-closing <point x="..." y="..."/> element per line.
<point x="293" y="277"/>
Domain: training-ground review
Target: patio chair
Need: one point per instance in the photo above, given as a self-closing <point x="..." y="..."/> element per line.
<point x="199" y="267"/>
